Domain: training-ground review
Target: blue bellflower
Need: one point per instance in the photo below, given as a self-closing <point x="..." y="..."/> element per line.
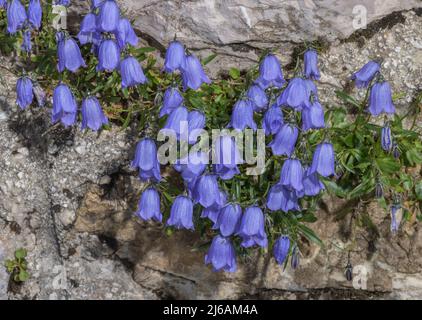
<point x="64" y="106"/>
<point x="206" y="191"/>
<point x="24" y="92"/>
<point x="313" y="117"/>
<point x="16" y="16"/>
<point x="172" y="100"/>
<point x="270" y="73"/>
<point x="193" y="75"/>
<point x="149" y="205"/>
<point x="296" y="95"/>
<point x="177" y="122"/>
<point x="146" y="159"/>
<point x="175" y="57"/>
<point x="131" y="72"/>
<point x="228" y="219"/>
<point x="323" y="160"/>
<point x="125" y="34"/>
<point x="394" y="226"/>
<point x="311" y="65"/>
<point x="88" y="29"/>
<point x="273" y="120"/>
<point x="35" y="13"/>
<point x="281" y="249"/>
<point x="108" y="16"/>
<point x="26" y="44"/>
<point x="365" y="75"/>
<point x="93" y="116"/>
<point x="381" y="100"/>
<point x="213" y="212"/>
<point x="196" y="122"/>
<point x="242" y="116"/>
<point x="292" y="175"/>
<point x="386" y="139"/>
<point x="221" y="255"/>
<point x="252" y="228"/>
<point x="192" y="166"/>
<point x="280" y="198"/>
<point x="181" y="213"/>
<point x="312" y="184"/>
<point x="108" y="56"/>
<point x="227" y="157"/>
<point x="285" y="140"/>
<point x="258" y="97"/>
<point x="69" y="55"/>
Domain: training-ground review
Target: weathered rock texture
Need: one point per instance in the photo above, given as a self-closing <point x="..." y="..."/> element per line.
<point x="69" y="196"/>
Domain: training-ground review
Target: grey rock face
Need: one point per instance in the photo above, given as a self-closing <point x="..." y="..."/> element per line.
<point x="68" y="196"/>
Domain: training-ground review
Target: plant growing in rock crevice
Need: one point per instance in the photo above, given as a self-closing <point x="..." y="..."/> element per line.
<point x="270" y="210"/>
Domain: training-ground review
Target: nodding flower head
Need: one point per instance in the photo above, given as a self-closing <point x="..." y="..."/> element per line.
<point x="35" y="13"/>
<point x="172" y="100"/>
<point x="149" y="205"/>
<point x="108" y="16"/>
<point x="258" y="97"/>
<point x="292" y="175"/>
<point x="281" y="249"/>
<point x="69" y="54"/>
<point x="175" y="56"/>
<point x="386" y="138"/>
<point x="88" y="29"/>
<point x="313" y="117"/>
<point x="227" y="156"/>
<point x="64" y="105"/>
<point x="177" y="122"/>
<point x="242" y="116"/>
<point x="312" y="185"/>
<point x="206" y="191"/>
<point x="381" y="100"/>
<point x="146" y="159"/>
<point x="270" y="73"/>
<point x="394" y="226"/>
<point x="296" y="95"/>
<point x="228" y="219"/>
<point x="16" y="16"/>
<point x="323" y="160"/>
<point x="125" y="34"/>
<point x="252" y="228"/>
<point x="131" y="72"/>
<point x="192" y="166"/>
<point x="285" y="140"/>
<point x="24" y="92"/>
<point x="221" y="255"/>
<point x="108" y="56"/>
<point x="273" y="120"/>
<point x="193" y="75"/>
<point x="366" y="74"/>
<point x="281" y="198"/>
<point x="196" y="122"/>
<point x="93" y="116"/>
<point x="26" y="43"/>
<point x="311" y="65"/>
<point x="181" y="213"/>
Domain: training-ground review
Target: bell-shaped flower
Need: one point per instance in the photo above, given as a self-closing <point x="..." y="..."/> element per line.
<point x="386" y="139"/>
<point x="192" y="166"/>
<point x="172" y="99"/>
<point x="108" y="16"/>
<point x="228" y="219"/>
<point x="69" y="55"/>
<point x="24" y="92"/>
<point x="323" y="160"/>
<point x="35" y="13"/>
<point x="285" y="140"/>
<point x="258" y="97"/>
<point x="64" y="105"/>
<point x="108" y="56"/>
<point x="181" y="213"/>
<point x="365" y="75"/>
<point x="88" y="28"/>
<point x="26" y="43"/>
<point x="281" y="249"/>
<point x="131" y="72"/>
<point x="394" y="226"/>
<point x="146" y="159"/>
<point x="252" y="228"/>
<point x="311" y="65"/>
<point x="312" y="184"/>
<point x="280" y="198"/>
<point x="221" y="255"/>
<point x="125" y="34"/>
<point x="175" y="57"/>
<point x="312" y="88"/>
<point x="270" y="73"/>
<point x="227" y="157"/>
<point x="292" y="175"/>
<point x="177" y="122"/>
<point x="313" y="117"/>
<point x="296" y="95"/>
<point x="149" y="205"/>
<point x="273" y="120"/>
<point x="196" y="122"/>
<point x="93" y="116"/>
<point x="16" y="16"/>
<point x="381" y="100"/>
<point x="213" y="212"/>
<point x="242" y="116"/>
<point x="3" y="4"/>
<point x="193" y="75"/>
<point x="206" y="191"/>
<point x="96" y="3"/>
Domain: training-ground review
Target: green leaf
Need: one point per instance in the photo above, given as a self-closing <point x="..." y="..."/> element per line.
<point x="418" y="190"/>
<point x="334" y="188"/>
<point x="20" y="253"/>
<point x="209" y="59"/>
<point x="310" y="234"/>
<point x="348" y="99"/>
<point x="23" y="276"/>
<point x="388" y="165"/>
<point x="414" y="157"/>
<point x="234" y="73"/>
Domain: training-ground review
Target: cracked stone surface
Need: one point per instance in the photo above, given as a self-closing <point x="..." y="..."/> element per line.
<point x="68" y="196"/>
